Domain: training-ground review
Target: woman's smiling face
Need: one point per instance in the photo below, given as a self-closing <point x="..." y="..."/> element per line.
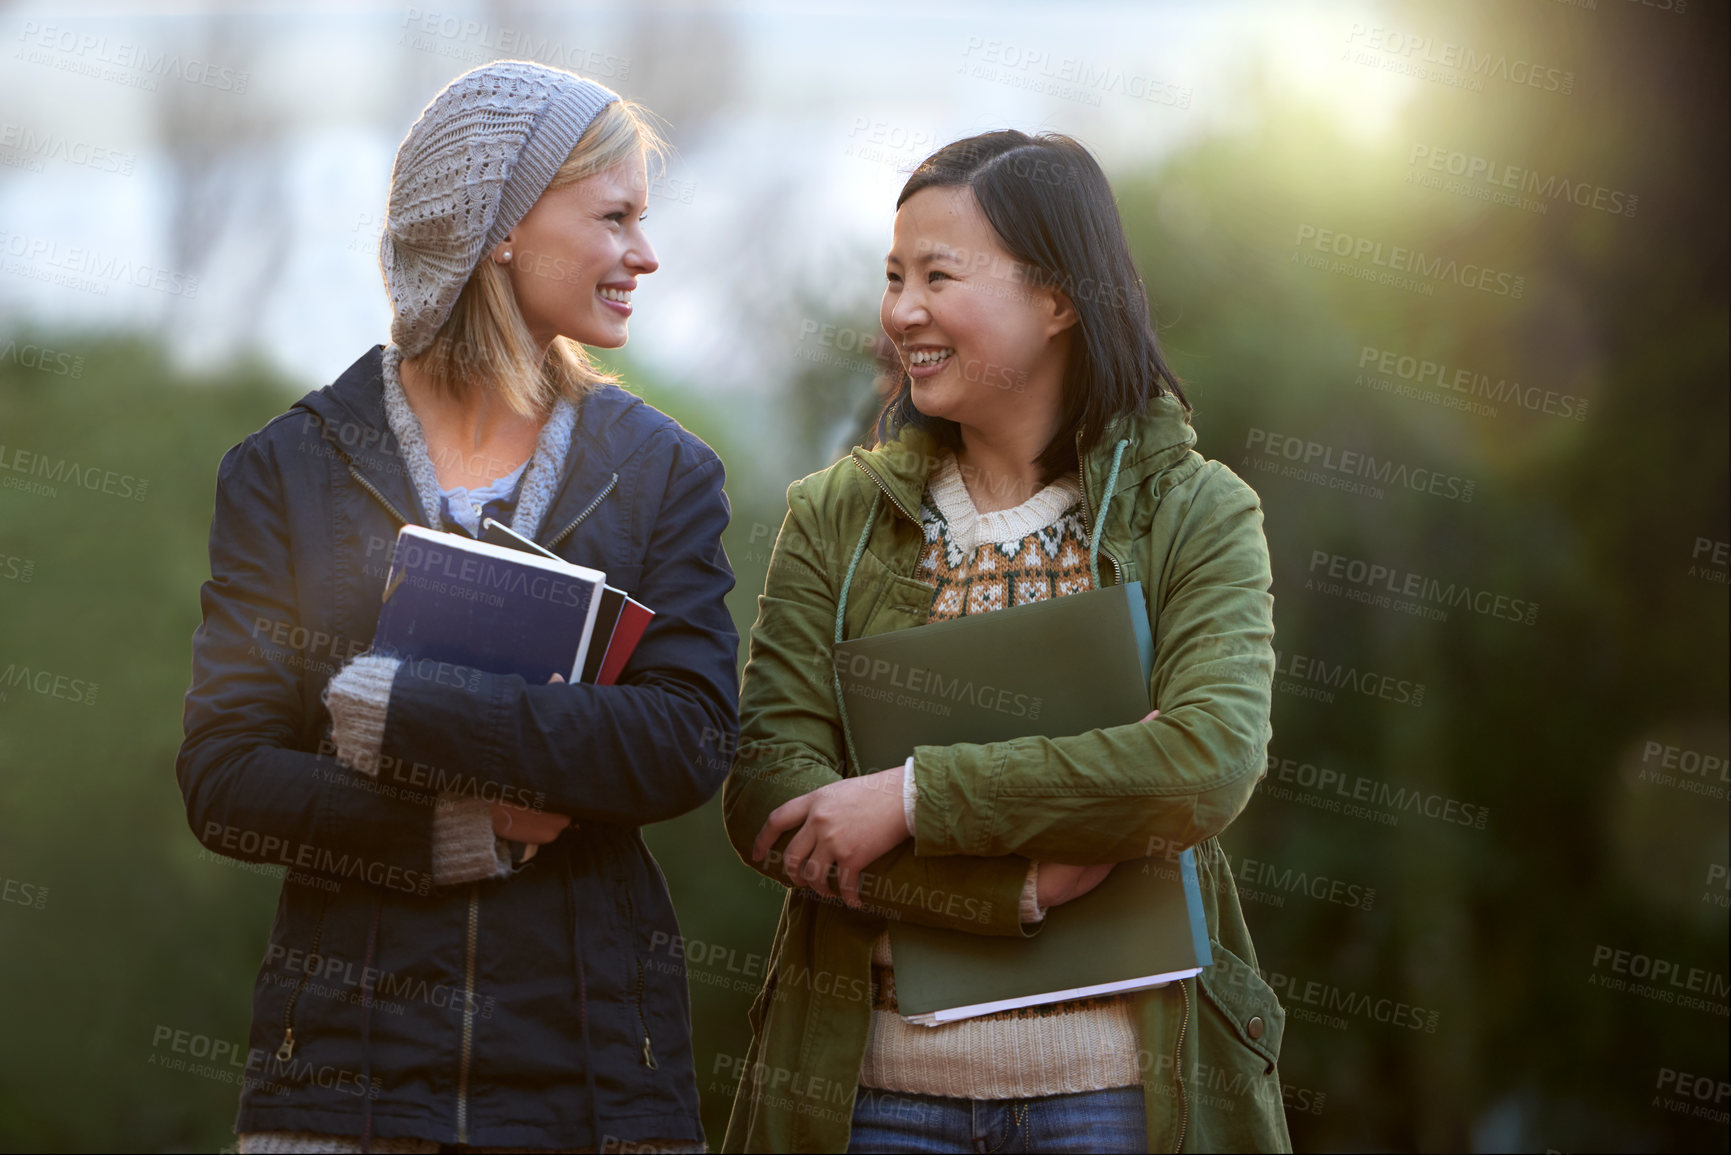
<point x="974" y="334"/>
<point x="576" y="256"/>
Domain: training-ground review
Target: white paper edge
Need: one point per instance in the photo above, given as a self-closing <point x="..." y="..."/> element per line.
<point x="953" y="1014"/>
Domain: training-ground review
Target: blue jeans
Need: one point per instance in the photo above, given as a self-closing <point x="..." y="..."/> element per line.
<point x="1106" y="1121"/>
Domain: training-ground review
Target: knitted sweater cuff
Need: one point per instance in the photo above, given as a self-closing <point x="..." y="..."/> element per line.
<point x="359" y="698"/>
<point x="910" y="793"/>
<point x="464" y="846"/>
<point x="1031" y="911"/>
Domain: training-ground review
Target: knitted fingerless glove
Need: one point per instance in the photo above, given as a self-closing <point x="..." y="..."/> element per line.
<point x="359" y="698"/>
<point x="464" y="846"/>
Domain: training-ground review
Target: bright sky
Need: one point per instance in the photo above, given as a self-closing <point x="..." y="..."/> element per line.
<point x="783" y="195"/>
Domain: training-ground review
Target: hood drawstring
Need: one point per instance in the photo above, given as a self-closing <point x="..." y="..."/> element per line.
<point x="582" y="996"/>
<point x="367" y="1026"/>
<point x="840" y="616"/>
<point x="1100" y="521"/>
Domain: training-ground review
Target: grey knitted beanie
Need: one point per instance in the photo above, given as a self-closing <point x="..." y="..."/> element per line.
<point x="476" y="161"/>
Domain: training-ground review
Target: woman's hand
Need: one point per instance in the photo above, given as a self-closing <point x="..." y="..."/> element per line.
<point x="522" y="824"/>
<point x="847" y="825"/>
<point x="1057" y="883"/>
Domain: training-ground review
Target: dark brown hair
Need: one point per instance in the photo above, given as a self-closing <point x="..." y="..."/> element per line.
<point x="1052" y="209"/>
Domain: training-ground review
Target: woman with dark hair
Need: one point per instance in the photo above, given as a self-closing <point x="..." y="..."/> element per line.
<point x="1038" y="446"/>
<point x="462" y="950"/>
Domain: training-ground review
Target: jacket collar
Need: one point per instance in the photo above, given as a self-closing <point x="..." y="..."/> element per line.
<point x="351" y="416"/>
<point x="1159" y="438"/>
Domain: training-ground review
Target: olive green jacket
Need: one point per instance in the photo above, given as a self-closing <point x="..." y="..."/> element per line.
<point x="1191" y="531"/>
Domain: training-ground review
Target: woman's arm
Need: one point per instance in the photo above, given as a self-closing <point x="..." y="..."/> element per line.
<point x="1128" y="791"/>
<point x="790" y="746"/>
<point x="253" y="788"/>
<point x="649" y="749"/>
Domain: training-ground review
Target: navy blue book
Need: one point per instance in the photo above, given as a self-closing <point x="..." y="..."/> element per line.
<point x="452" y="599"/>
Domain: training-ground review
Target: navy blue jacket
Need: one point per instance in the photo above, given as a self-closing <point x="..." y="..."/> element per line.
<point x="548" y="1009"/>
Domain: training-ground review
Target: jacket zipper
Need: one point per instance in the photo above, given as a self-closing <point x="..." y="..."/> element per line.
<point x="1088" y="516"/>
<point x="286" y="1051"/>
<point x="1178" y="1069"/>
<point x="867" y="470"/>
<point x="642" y="1019"/>
<point x="468" y="1014"/>
<point x="578" y="520"/>
<point x="383" y="500"/>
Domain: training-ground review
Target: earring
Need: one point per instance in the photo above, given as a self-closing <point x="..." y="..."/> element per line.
<point x="507" y="257"/>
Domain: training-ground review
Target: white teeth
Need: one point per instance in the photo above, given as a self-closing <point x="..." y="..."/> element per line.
<point x="929" y="356"/>
<point x="623" y="296"/>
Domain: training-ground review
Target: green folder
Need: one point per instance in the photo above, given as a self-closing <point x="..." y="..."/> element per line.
<point x="1066" y="665"/>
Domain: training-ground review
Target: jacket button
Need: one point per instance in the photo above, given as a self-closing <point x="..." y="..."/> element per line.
<point x="1254" y="1027"/>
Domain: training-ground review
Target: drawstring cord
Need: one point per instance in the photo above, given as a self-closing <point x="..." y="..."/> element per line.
<point x="1100" y="521"/>
<point x="840" y="615"/>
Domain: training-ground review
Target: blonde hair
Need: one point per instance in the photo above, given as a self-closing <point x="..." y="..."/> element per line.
<point x="485" y="341"/>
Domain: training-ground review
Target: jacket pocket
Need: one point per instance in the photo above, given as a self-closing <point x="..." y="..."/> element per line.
<point x="636" y="980"/>
<point x="760" y="1005"/>
<point x="1245" y="1005"/>
<point x="286" y="1047"/>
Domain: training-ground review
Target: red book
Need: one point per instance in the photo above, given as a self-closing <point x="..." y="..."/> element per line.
<point x="633" y="620"/>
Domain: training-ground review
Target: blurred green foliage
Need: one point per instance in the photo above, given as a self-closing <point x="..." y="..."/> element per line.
<point x="1493" y="930"/>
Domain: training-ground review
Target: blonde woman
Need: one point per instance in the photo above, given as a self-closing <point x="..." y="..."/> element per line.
<point x="461" y="949"/>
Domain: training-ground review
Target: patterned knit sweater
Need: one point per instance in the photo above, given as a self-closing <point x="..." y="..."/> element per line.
<point x="979" y="563"/>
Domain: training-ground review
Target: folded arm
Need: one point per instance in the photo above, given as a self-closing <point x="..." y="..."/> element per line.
<point x="1155" y="786"/>
<point x="790" y="746"/>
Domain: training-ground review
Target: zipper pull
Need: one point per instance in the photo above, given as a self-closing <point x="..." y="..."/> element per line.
<point x="648" y="1059"/>
<point x="287" y="1050"/>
